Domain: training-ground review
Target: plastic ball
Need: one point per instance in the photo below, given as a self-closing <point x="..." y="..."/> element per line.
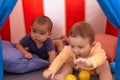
<point x="70" y="77"/>
<point x="84" y="75"/>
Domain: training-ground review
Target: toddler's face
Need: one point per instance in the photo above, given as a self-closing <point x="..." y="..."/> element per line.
<point x="39" y="33"/>
<point x="80" y="46"/>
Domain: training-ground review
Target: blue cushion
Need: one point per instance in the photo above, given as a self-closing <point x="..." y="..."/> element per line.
<point x="15" y="62"/>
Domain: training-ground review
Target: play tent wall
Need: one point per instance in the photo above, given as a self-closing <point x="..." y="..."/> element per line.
<point x="63" y="13"/>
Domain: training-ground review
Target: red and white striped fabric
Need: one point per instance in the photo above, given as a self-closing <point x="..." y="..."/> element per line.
<point x="63" y="13"/>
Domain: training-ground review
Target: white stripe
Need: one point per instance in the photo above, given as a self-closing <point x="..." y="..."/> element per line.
<point x="95" y="16"/>
<point x="17" y="25"/>
<point x="55" y="9"/>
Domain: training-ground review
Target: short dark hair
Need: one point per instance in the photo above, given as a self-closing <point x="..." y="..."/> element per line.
<point x="84" y="30"/>
<point x="41" y="20"/>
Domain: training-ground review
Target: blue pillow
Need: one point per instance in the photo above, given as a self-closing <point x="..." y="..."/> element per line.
<point x="15" y="62"/>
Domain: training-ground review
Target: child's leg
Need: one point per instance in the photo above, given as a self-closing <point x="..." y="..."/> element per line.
<point x="104" y="72"/>
<point x="66" y="69"/>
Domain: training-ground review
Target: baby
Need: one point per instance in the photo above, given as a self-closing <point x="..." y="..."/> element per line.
<point x="82" y="53"/>
<point x="38" y="41"/>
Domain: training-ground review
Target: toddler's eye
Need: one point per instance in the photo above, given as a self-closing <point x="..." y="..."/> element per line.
<point x="80" y="47"/>
<point x="42" y="33"/>
<point x="34" y="31"/>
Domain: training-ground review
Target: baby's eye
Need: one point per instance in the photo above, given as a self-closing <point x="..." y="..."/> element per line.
<point x="34" y="31"/>
<point x="80" y="47"/>
<point x="42" y="33"/>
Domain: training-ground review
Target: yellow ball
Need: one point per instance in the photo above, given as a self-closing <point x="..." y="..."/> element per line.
<point x="70" y="77"/>
<point x="84" y="75"/>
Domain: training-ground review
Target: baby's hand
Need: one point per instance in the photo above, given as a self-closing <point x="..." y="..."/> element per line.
<point x="82" y="63"/>
<point x="48" y="74"/>
<point x="28" y="55"/>
<point x="27" y="48"/>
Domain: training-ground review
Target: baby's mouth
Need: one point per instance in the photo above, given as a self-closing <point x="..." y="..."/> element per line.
<point x="37" y="40"/>
<point x="78" y="56"/>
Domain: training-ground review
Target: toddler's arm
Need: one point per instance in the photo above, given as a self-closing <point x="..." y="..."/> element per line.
<point x="48" y="74"/>
<point x="83" y="63"/>
<point x="58" y="46"/>
<point x="25" y="51"/>
<point x="52" y="54"/>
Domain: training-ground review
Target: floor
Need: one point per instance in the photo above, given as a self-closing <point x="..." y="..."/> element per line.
<point x="36" y="75"/>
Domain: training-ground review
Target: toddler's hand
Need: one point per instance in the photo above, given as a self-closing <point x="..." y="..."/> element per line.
<point x="27" y="48"/>
<point x="82" y="63"/>
<point x="28" y="55"/>
<point x="48" y="74"/>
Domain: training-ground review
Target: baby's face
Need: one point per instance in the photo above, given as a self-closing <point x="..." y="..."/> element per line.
<point x="39" y="33"/>
<point x="80" y="46"/>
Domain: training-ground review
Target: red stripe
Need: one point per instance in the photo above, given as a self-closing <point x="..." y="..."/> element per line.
<point x="110" y="29"/>
<point x="75" y="11"/>
<point x="5" y="30"/>
<point x="32" y="8"/>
